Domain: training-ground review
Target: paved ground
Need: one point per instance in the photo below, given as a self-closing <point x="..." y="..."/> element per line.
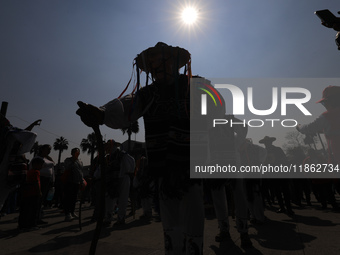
<point x="310" y="231"/>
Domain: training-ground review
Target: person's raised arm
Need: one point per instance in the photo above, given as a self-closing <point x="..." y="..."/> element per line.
<point x="35" y="123"/>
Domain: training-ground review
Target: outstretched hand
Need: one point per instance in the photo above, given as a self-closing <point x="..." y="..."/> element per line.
<point x="35" y="123"/>
<point x="91" y="115"/>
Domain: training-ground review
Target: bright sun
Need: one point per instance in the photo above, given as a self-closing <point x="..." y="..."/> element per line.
<point x="189" y="15"/>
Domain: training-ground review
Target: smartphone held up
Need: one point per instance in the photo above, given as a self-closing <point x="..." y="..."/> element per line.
<point x="328" y="19"/>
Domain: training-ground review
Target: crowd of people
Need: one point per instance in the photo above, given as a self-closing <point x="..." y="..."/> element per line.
<point x="37" y="191"/>
<point x="162" y="171"/>
<point x="164" y="106"/>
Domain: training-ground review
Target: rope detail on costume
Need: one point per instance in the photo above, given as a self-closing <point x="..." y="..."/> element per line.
<point x="127" y="84"/>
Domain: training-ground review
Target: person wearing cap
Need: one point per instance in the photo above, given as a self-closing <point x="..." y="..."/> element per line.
<point x="75" y="179"/>
<point x="118" y="181"/>
<point x="328" y="123"/>
<point x="280" y="187"/>
<point x="164" y="106"/>
<point x="112" y="183"/>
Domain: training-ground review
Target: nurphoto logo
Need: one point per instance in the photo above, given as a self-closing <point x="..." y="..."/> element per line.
<point x="238" y="101"/>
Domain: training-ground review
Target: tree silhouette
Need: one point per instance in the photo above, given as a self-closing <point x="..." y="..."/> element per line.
<point x="294" y="139"/>
<point x="60" y="145"/>
<point x="89" y="145"/>
<point x="296" y="143"/>
<point x="133" y="128"/>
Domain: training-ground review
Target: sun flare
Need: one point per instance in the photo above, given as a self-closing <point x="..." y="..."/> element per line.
<point x="189" y="15"/>
<point x="190" y="18"/>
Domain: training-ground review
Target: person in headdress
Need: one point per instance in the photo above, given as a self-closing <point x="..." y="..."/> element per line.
<point x="164" y="105"/>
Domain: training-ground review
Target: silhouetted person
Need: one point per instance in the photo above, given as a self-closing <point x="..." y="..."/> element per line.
<point x="14" y="143"/>
<point x="73" y="183"/>
<point x="165" y="107"/>
<point x="30" y="197"/>
<point x="276" y="157"/>
<point x="47" y="176"/>
<point x="322" y="187"/>
<point x="253" y="155"/>
<point x="328" y="123"/>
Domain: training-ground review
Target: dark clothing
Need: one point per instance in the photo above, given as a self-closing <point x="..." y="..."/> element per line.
<point x="72" y="185"/>
<point x="333" y="135"/>
<point x="29" y="210"/>
<point x="75" y="166"/>
<point x="32" y="186"/>
<point x="280" y="187"/>
<point x="70" y="198"/>
<point x="167" y="133"/>
<point x="58" y="195"/>
<point x="113" y="172"/>
<point x="46" y="184"/>
<point x="30" y="202"/>
<point x="275" y="156"/>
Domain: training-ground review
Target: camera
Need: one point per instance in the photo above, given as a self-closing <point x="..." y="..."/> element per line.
<point x="328" y="19"/>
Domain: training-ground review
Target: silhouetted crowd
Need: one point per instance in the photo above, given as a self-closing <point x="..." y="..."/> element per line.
<point x="157" y="179"/>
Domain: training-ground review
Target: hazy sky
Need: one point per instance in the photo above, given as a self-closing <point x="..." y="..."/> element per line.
<point x="54" y="53"/>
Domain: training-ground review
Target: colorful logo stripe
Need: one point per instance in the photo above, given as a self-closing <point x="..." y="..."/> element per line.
<point x="209" y="93"/>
